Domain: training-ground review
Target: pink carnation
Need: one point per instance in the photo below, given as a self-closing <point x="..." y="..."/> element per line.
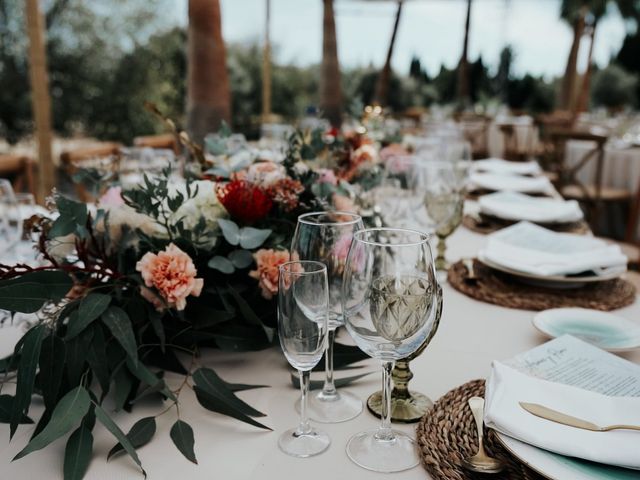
<point x="172" y="273"/>
<point x="111" y="198"/>
<point x="268" y="262"/>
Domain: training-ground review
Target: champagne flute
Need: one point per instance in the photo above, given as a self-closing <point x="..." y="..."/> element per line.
<point x="391" y="306"/>
<point x="303" y="307"/>
<point x="326" y="237"/>
<point x="11" y="226"/>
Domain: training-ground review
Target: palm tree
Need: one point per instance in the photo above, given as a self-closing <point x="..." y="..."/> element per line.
<point x="382" y="85"/>
<point x="464" y="96"/>
<point x="208" y="92"/>
<point x="584" y="15"/>
<point x="330" y="90"/>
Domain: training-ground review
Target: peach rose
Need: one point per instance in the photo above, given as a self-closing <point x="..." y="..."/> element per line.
<point x="172" y="273"/>
<point x="267" y="262"/>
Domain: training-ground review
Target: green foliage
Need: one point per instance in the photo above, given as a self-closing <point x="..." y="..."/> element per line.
<point x="140" y="434"/>
<point x="613" y="87"/>
<point x="182" y="436"/>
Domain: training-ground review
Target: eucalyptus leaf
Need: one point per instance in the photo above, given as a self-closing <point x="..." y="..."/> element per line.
<point x="210" y="382"/>
<point x="26" y="375"/>
<point x="140" y="434"/>
<point x="230" y="231"/>
<point x="182" y="436"/>
<point x="77" y="453"/>
<point x="29" y="292"/>
<point x="241" y="258"/>
<point x="318" y="384"/>
<point x="146" y="376"/>
<point x="97" y="359"/>
<point x="91" y="307"/>
<point x="51" y="361"/>
<point x="68" y="413"/>
<point x="110" y="425"/>
<point x="72" y="215"/>
<point x="77" y="355"/>
<point x="250" y="316"/>
<point x="221" y="264"/>
<point x="214" y="404"/>
<point x="6" y="406"/>
<point x="117" y="321"/>
<point x="251" y="238"/>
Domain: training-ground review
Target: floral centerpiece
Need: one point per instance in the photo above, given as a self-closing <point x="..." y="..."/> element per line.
<point x="139" y="283"/>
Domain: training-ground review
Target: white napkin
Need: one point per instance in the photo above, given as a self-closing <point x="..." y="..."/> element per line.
<point x="498" y="165"/>
<point x="529" y="248"/>
<point x="511" y="183"/>
<point x="517" y="206"/>
<point x="507" y="387"/>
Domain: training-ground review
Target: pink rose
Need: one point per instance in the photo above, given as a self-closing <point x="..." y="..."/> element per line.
<point x="265" y="174"/>
<point x="341" y="247"/>
<point x="172" y="273"/>
<point x="268" y="262"/>
<point x="111" y="198"/>
<point x="327" y="176"/>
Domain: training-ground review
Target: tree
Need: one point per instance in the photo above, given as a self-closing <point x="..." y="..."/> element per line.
<point x="330" y="89"/>
<point x="382" y="84"/>
<point x="464" y="95"/>
<point x="208" y="92"/>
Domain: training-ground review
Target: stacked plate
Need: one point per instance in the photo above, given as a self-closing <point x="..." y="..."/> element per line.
<point x="498" y="175"/>
<point x="543" y="257"/>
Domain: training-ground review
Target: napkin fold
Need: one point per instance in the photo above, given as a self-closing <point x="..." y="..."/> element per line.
<point x="506" y="387"/>
<point x="499" y="165"/>
<point x="517" y="206"/>
<point x="511" y="183"/>
<point x="533" y="249"/>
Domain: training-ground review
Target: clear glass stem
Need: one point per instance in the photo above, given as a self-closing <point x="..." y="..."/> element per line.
<point x="385" y="433"/>
<point x="329" y="388"/>
<point x="441" y="262"/>
<point x="305" y="426"/>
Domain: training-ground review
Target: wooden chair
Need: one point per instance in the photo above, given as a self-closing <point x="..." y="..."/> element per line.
<point x="475" y="129"/>
<point x="74" y="160"/>
<point x="165" y="140"/>
<point x="20" y="170"/>
<point x="592" y="195"/>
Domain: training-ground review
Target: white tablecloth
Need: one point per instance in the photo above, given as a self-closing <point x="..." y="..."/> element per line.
<point x="471" y="335"/>
<point x="621" y="166"/>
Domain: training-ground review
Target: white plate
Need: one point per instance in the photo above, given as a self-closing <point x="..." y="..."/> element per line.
<point x="552" y="281"/>
<point x="604" y="330"/>
<point x="558" y="467"/>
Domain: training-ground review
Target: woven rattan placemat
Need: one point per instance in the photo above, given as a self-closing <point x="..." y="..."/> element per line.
<point x="447" y="434"/>
<point x="488" y="224"/>
<point x="505" y="290"/>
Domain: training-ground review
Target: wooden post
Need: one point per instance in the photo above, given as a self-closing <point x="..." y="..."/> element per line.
<point x="266" y="67"/>
<point x="40" y="97"/>
<point x="382" y="85"/>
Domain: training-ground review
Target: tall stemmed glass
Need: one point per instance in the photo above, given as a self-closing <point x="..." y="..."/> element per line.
<point x="10" y="218"/>
<point x="303" y="305"/>
<point x="391" y="304"/>
<point x="444" y="190"/>
<point x="326" y="237"/>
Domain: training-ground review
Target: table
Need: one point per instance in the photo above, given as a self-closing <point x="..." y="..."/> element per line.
<point x="471" y="335"/>
<point x="526" y="135"/>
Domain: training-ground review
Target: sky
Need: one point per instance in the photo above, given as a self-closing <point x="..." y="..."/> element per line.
<point x="432" y="30"/>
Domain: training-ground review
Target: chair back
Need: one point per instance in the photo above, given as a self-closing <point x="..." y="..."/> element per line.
<point x="20" y="170"/>
<point x="163" y="141"/>
<point x="102" y="157"/>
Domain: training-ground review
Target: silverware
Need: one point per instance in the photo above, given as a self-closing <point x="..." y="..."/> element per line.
<point x="481" y="462"/>
<point x="564" y="419"/>
<point x="471" y="272"/>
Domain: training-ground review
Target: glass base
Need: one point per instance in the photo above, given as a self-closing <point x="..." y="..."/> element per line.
<point x="336" y="408"/>
<point x="403" y="410"/>
<point x="386" y="456"/>
<point x="303" y="445"/>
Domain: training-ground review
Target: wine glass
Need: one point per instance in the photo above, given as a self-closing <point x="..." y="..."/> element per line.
<point x="326" y="237"/>
<point x="11" y="223"/>
<point x="443" y="184"/>
<point x="303" y="308"/>
<point x="391" y="304"/>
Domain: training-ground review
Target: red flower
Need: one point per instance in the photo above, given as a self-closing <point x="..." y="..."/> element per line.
<point x="244" y="201"/>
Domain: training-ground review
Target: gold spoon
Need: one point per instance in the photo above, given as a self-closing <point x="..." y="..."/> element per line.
<point x="481" y="462"/>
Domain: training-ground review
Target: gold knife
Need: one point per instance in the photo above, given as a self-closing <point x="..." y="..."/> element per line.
<point x="564" y="419"/>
